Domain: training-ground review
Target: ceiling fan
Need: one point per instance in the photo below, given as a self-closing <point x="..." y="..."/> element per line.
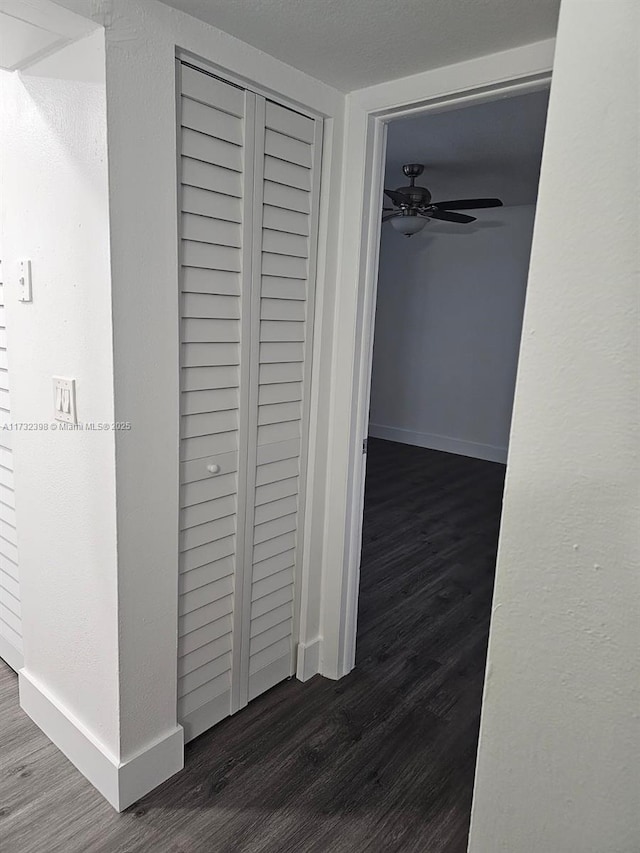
<point x="413" y="207"/>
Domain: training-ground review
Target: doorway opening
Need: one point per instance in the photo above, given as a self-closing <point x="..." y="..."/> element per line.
<point x="448" y="321"/>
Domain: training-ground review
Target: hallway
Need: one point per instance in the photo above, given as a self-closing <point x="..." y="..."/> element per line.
<point x="381" y="761"/>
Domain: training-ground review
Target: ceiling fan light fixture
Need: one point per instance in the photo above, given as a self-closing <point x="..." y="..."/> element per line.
<point x="409" y="225"/>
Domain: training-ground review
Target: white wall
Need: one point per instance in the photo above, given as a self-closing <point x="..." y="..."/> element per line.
<point x="142" y="37"/>
<point x="448" y="321"/>
<point x="140" y="609"/>
<point x="55" y="211"/>
<point x="559" y="756"/>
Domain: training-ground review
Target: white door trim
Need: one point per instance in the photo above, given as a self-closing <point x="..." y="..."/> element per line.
<point x="369" y="110"/>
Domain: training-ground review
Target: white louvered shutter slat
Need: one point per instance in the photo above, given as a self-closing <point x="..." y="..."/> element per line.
<point x="249" y="194"/>
<point x="284" y="260"/>
<point x="216" y="124"/>
<point x="10" y="611"/>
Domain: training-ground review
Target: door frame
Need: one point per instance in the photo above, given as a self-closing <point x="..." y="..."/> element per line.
<point x="501" y="75"/>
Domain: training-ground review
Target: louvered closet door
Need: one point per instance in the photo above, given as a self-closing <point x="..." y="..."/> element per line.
<point x="10" y="617"/>
<point x="217" y="122"/>
<point x="249" y="197"/>
<point x="285" y="211"/>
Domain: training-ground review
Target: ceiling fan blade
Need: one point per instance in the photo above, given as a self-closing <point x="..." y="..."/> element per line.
<point x="446" y="216"/>
<point x="396" y="197"/>
<point x="468" y="203"/>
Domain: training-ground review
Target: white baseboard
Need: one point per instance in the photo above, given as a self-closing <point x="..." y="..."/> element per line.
<point x="120" y="782"/>
<point x="10" y="654"/>
<point x="440" y="442"/>
<point x="210" y="714"/>
<point x="308" y="663"/>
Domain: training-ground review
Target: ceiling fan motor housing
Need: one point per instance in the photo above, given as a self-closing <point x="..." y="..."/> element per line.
<point x="416" y="196"/>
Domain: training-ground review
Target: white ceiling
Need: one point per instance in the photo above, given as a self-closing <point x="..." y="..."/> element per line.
<point x="21" y="40"/>
<point x="31" y="30"/>
<point x="351" y="44"/>
<point x="491" y="149"/>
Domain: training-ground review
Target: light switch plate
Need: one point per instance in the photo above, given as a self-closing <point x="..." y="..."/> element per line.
<point x="64" y="400"/>
<point x="25" y="291"/>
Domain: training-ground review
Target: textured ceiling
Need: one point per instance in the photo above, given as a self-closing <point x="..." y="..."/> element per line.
<point x="351" y="44"/>
<point x="491" y="149"/>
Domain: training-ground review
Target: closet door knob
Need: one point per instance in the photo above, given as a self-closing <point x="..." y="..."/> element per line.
<point x="213" y="468"/>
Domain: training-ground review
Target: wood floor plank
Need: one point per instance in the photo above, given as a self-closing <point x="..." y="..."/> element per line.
<point x="379" y="762"/>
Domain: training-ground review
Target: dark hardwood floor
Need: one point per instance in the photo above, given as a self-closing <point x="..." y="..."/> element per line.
<point x="380" y="761"/>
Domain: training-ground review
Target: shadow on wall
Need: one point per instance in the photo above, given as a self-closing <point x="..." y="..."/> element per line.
<point x="448" y="325"/>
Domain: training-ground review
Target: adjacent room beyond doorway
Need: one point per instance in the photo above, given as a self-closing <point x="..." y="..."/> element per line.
<point x="459" y="207"/>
